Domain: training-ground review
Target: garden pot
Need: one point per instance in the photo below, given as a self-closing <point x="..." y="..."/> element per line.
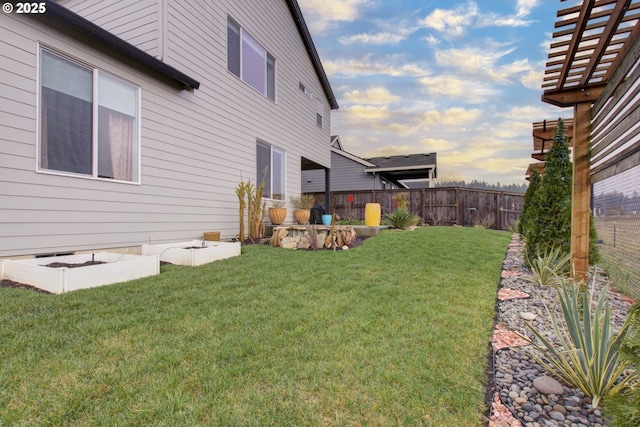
<point x="372" y="214"/>
<point x="212" y="236"/>
<point x="302" y="215"/>
<point x="326" y="219"/>
<point x="277" y="215"/>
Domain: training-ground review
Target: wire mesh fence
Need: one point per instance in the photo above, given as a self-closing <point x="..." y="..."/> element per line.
<point x="616" y="209"/>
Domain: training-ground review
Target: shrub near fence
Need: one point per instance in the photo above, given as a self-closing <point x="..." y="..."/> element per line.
<point x="436" y="206"/>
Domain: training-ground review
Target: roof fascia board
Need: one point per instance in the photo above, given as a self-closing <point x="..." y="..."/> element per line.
<point x="400" y="168"/>
<point x="352" y="157"/>
<point x="296" y="13"/>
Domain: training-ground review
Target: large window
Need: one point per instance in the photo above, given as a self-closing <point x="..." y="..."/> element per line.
<point x="249" y="61"/>
<point x="271" y="169"/>
<point x="88" y="121"/>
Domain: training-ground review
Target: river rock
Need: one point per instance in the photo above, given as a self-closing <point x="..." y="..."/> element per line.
<point x="528" y="316"/>
<point x="548" y="385"/>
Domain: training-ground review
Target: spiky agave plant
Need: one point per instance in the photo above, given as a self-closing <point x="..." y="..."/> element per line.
<point x="549" y="267"/>
<point x="587" y="356"/>
<point x="402" y="219"/>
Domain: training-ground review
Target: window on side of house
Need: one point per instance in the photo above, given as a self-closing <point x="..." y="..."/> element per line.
<point x="271" y="168"/>
<point x="88" y="121"/>
<point x="319" y="113"/>
<point x="249" y="61"/>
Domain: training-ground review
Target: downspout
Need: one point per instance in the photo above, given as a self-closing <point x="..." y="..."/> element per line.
<point x="162" y="30"/>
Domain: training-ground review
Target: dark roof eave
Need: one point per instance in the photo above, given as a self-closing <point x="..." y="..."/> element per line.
<point x="96" y="32"/>
<point x="313" y="53"/>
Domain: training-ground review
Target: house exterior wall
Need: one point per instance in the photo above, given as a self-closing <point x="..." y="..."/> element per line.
<point x="346" y="175"/>
<point x="138" y="22"/>
<point x="195" y="147"/>
<point x="615" y="134"/>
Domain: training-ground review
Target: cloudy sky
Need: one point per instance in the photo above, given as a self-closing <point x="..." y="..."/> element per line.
<point x="459" y="78"/>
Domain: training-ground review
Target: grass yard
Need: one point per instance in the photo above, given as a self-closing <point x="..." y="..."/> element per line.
<point x="394" y="332"/>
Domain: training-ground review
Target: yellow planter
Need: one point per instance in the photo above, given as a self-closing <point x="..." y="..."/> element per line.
<point x="372" y="214"/>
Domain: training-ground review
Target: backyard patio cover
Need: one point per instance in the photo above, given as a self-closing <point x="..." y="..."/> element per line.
<point x="594" y="44"/>
<point x="406" y="171"/>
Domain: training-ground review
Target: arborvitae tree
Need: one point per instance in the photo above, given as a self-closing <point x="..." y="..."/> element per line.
<point x="551" y="223"/>
<point x="530" y="206"/>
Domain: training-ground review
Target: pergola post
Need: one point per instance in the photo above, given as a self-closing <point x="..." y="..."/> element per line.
<point x="581" y="192"/>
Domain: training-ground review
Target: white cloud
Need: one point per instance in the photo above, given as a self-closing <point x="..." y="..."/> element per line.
<point x="452" y="116"/>
<point x="479" y="63"/>
<point x="377" y="38"/>
<point x="524" y="7"/>
<point x="532" y="79"/>
<point x="430" y="39"/>
<point x="324" y="15"/>
<point x="455" y="21"/>
<point x="452" y="21"/>
<point x="373" y="95"/>
<point x="368" y="112"/>
<point x="448" y="86"/>
<point x="366" y="67"/>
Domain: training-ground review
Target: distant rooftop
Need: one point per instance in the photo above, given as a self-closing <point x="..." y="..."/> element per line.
<point x="426" y="159"/>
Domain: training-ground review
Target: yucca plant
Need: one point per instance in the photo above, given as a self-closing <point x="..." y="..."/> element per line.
<point x="587" y="356"/>
<point x="402" y="219"/>
<point x="624" y="410"/>
<point x="548" y="268"/>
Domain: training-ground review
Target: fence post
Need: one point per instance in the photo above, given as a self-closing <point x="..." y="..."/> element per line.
<point x="457" y="206"/>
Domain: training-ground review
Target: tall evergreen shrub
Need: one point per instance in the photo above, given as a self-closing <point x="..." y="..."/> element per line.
<point x="550" y="224"/>
<point x="529" y="210"/>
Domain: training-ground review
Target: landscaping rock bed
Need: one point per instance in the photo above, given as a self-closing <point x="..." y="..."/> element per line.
<point x="524" y="394"/>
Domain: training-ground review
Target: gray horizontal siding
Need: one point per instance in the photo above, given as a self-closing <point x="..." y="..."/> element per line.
<point x="138" y="21"/>
<point x="195" y="146"/>
<point x="346" y="175"/>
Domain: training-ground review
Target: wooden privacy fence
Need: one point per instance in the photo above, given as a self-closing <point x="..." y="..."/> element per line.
<point x="436" y="206"/>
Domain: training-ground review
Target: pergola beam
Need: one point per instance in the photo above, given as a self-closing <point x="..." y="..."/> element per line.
<point x="571" y="97"/>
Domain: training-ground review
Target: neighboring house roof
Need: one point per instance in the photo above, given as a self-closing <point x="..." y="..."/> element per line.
<point x="353" y="157"/>
<point x="98" y="33"/>
<point x="406" y="171"/>
<point x="335" y="142"/>
<point x="311" y="50"/>
<point x="404" y="167"/>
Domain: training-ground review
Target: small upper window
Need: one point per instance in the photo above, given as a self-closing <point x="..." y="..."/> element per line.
<point x="319" y="113"/>
<point x="88" y="121"/>
<point x="249" y="61"/>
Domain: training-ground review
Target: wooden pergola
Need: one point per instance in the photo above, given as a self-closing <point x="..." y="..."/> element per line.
<point x="543" y="136"/>
<point x="539" y="166"/>
<point x="590" y="49"/>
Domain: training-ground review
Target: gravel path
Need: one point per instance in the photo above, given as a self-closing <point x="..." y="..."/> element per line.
<point x="517" y="400"/>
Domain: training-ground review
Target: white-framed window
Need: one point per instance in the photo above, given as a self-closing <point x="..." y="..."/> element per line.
<point x="271" y="168"/>
<point x="89" y="121"/>
<point x="319" y="113"/>
<point x="249" y="61"/>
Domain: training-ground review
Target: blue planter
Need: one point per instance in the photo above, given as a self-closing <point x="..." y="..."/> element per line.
<point x="326" y="219"/>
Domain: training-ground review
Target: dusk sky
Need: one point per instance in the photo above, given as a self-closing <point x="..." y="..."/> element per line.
<point x="459" y="78"/>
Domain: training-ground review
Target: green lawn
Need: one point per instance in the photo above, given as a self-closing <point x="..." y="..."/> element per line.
<point x="394" y="332"/>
